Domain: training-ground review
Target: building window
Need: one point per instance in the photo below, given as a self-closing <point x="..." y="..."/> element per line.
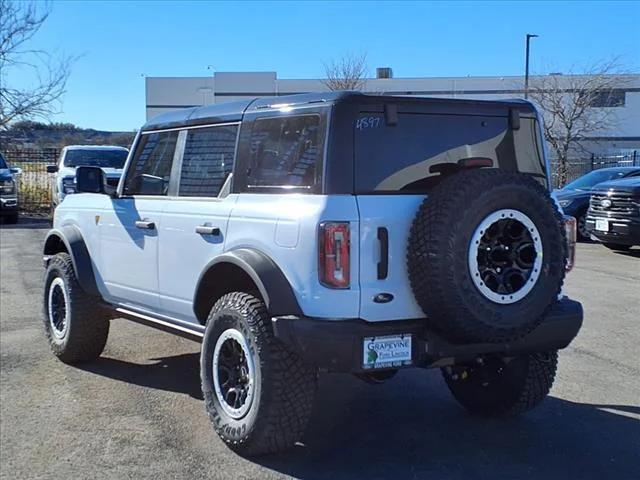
<point x="208" y="160"/>
<point x="150" y="169"/>
<point x="608" y="98"/>
<point x="286" y="152"/>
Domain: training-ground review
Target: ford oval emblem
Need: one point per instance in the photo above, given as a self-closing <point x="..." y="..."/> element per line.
<point x="606" y="203"/>
<point x="383" y="298"/>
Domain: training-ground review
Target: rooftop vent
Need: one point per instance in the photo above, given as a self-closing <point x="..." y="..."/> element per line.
<point x="384" y="72"/>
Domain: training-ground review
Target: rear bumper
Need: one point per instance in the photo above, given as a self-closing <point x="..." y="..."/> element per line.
<point x="337" y="345"/>
<point x="623" y="231"/>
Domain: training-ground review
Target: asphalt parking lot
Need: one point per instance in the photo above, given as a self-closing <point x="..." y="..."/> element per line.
<point x="138" y="413"/>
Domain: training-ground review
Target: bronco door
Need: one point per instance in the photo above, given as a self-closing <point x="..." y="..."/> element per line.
<point x="129" y="228"/>
<point x="193" y="229"/>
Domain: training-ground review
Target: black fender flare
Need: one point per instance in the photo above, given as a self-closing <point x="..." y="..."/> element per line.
<point x="75" y="245"/>
<point x="272" y="284"/>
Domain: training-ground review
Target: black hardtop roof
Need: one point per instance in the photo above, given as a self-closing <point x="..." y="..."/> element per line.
<point x="234" y="111"/>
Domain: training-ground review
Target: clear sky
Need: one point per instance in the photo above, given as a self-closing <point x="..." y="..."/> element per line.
<point x="119" y="42"/>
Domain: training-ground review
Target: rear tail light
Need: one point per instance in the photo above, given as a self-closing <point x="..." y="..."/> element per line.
<point x="334" y="254"/>
<point x="570" y="228"/>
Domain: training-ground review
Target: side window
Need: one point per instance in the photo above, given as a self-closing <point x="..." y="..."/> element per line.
<point x="150" y="168"/>
<point x="285" y="152"/>
<point x="208" y="159"/>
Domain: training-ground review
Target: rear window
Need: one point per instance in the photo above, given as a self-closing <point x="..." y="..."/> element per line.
<point x="402" y="157"/>
<point x="286" y="152"/>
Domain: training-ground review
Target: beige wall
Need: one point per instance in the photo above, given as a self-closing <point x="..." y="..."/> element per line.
<point x="168" y="93"/>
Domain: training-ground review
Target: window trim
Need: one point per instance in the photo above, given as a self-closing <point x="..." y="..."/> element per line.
<point x="184" y="131"/>
<point x="129" y="161"/>
<point x="176" y="166"/>
<point x="303" y="189"/>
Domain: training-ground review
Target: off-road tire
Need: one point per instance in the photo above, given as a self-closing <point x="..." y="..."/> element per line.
<point x="438" y="251"/>
<point x="523" y="383"/>
<point x="88" y="322"/>
<point x="617" y="246"/>
<point x="284" y="385"/>
<point x="11" y="219"/>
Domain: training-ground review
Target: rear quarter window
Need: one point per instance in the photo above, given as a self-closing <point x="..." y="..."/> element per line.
<point x="285" y="152"/>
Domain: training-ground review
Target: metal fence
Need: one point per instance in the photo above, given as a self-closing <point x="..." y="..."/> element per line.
<point x="34" y="184"/>
<point x="576" y="167"/>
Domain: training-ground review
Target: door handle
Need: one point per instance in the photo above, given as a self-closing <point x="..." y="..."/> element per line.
<point x="145" y="224"/>
<point x="207" y="230"/>
<point x="383" y="264"/>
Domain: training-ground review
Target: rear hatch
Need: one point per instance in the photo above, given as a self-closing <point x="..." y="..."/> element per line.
<point x="398" y="152"/>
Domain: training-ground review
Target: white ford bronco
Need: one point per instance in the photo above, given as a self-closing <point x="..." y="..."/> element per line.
<point x="333" y="232"/>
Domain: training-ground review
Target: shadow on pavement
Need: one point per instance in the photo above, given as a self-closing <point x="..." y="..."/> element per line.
<point x="634" y="252"/>
<point x="26" y="223"/>
<point x="179" y="373"/>
<point x="411" y="427"/>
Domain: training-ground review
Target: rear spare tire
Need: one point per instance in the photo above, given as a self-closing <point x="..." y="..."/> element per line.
<point x="486" y="255"/>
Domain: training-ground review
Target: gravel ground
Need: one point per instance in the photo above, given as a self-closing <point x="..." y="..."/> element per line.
<point x="138" y="411"/>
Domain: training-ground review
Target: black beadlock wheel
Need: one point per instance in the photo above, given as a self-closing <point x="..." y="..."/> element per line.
<point x="486" y="255"/>
<point x="75" y="324"/>
<point x="258" y="394"/>
<point x="503" y="387"/>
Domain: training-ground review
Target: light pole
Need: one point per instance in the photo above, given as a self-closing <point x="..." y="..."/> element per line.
<point x="526" y="66"/>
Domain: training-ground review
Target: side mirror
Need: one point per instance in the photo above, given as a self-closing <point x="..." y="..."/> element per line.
<point x="16" y="170"/>
<point x="90" y="180"/>
<point x="52" y="168"/>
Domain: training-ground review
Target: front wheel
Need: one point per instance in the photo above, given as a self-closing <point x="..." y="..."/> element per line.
<point x="257" y="393"/>
<point x="583" y="233"/>
<point x="75" y="325"/>
<point x="503" y="387"/>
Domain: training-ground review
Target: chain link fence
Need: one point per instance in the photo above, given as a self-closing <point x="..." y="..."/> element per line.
<point x="34" y="183"/>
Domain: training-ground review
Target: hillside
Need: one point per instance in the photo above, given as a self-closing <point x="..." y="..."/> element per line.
<point x="28" y="134"/>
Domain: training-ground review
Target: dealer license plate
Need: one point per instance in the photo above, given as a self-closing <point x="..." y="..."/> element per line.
<point x="389" y="351"/>
<point x="602" y="224"/>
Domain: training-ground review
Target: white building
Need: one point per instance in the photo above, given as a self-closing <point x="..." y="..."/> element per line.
<point x="170" y="93"/>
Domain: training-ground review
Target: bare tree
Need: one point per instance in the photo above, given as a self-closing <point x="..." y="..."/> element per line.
<point x="576" y="107"/>
<point x="40" y="97"/>
<point x="346" y="73"/>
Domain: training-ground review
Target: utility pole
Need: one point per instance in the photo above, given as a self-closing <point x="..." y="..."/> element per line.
<point x="526" y="66"/>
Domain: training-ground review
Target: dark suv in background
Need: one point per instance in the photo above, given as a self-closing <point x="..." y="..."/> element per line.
<point x="8" y="191"/>
<point x="614" y="213"/>
<point x="574" y="197"/>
